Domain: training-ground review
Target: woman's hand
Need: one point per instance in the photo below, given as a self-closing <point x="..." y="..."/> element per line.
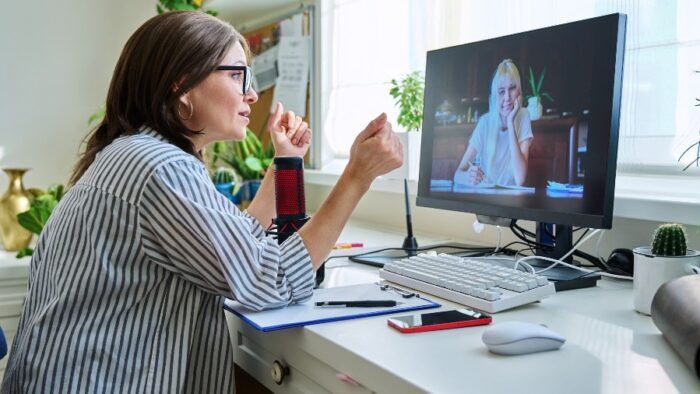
<point x="474" y="175"/>
<point x="511" y="115"/>
<point x="290" y="135"/>
<point x="375" y="151"/>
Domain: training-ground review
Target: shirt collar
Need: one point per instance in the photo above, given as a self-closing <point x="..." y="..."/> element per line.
<point x="146" y="130"/>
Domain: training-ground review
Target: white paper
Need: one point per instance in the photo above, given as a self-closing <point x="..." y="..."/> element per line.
<point x="293" y="79"/>
<point x="264" y="69"/>
<point x="308" y="313"/>
<point x="292" y="27"/>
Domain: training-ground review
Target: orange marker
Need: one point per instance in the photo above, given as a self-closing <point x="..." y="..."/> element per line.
<point x="348" y="245"/>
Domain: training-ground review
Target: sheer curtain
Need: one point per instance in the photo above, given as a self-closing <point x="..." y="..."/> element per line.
<point x="371" y="42"/>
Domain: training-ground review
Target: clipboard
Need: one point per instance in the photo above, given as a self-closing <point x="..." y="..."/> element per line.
<point x="298" y="315"/>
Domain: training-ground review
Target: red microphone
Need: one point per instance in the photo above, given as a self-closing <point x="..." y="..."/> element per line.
<point x="289" y="190"/>
<point x="290" y="202"/>
<point x="289" y="197"/>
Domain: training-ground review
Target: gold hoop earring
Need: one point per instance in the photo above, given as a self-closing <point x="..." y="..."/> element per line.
<point x="191" y="111"/>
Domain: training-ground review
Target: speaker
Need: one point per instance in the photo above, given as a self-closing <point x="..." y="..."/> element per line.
<point x="621" y="261"/>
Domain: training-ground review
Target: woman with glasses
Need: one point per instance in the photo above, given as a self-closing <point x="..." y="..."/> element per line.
<point x="129" y="276"/>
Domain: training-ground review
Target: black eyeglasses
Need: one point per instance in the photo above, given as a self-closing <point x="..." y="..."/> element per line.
<point x="247" y="75"/>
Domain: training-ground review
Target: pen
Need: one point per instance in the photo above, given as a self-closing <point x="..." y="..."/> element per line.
<point x="358" y="304"/>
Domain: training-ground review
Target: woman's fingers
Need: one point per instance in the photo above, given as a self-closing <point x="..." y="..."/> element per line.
<point x="299" y="131"/>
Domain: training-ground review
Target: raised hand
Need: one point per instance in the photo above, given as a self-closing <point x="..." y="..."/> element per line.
<point x="511" y="115"/>
<point x="289" y="133"/>
<point x="375" y="151"/>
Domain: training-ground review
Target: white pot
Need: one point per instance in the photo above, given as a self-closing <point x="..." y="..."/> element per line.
<point x="411" y="156"/>
<point x="534" y="107"/>
<point x="650" y="272"/>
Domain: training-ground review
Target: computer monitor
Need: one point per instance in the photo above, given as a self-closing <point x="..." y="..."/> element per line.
<point x="553" y="160"/>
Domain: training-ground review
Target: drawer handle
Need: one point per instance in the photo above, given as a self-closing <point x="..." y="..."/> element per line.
<point x="279" y="371"/>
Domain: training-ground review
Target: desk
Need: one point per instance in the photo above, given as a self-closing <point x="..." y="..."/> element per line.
<point x="610" y="348"/>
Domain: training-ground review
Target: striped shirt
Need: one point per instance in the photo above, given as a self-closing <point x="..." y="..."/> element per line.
<point x="129" y="276"/>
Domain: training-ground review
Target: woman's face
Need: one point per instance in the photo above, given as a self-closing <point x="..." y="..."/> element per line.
<point x="220" y="109"/>
<point x="508" y="93"/>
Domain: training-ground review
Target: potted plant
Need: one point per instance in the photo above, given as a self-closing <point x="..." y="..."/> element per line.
<point x="408" y="93"/>
<point x="226" y="182"/>
<point x="248" y="158"/>
<point x="40" y="207"/>
<point x="666" y="258"/>
<point x="534" y="100"/>
<point x="182" y="5"/>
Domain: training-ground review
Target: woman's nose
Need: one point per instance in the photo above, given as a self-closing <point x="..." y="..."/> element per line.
<point x="251" y="96"/>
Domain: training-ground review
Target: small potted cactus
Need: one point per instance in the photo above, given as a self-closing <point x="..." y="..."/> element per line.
<point x="226" y="182"/>
<point x="667" y="257"/>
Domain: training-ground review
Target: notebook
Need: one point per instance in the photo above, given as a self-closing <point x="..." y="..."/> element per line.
<point x="297" y="315"/>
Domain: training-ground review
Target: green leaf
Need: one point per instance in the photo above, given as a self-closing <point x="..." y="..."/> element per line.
<point x="548" y="96"/>
<point x="97" y="116"/>
<point x="532" y="82"/>
<point x="24" y="252"/>
<point x="539" y="83"/>
<point x="31" y="220"/>
<point x="184" y="7"/>
<point x="266" y="162"/>
<point x="56" y="191"/>
<point x="253" y="163"/>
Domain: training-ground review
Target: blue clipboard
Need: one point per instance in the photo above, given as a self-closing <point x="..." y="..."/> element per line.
<point x="297" y="315"/>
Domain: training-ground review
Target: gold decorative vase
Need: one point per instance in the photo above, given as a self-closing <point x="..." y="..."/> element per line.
<point x="15" y="200"/>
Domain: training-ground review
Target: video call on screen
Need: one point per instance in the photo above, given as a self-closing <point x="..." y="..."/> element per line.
<point x="548" y="94"/>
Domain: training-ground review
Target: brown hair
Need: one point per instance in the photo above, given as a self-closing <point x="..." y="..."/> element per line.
<point x="172" y="50"/>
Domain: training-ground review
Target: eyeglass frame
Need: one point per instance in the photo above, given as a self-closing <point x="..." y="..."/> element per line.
<point x="247" y="75"/>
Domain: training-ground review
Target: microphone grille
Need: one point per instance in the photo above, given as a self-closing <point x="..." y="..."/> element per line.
<point x="289" y="187"/>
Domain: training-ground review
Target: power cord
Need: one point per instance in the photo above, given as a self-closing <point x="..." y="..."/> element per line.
<point x="561" y="260"/>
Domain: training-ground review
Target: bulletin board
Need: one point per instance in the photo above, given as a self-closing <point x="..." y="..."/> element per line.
<point x="261" y="39"/>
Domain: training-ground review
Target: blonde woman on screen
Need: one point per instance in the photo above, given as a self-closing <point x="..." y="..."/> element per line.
<point x="499" y="147"/>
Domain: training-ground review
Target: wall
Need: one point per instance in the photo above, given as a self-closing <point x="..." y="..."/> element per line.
<point x="57" y="61"/>
<point x="386" y="209"/>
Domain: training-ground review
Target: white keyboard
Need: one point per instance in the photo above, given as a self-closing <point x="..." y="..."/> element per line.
<point x="473" y="282"/>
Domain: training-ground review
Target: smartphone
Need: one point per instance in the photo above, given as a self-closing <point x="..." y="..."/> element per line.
<point x="439" y="320"/>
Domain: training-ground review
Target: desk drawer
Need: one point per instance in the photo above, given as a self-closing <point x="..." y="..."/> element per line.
<point x="307" y="374"/>
<point x="11" y="305"/>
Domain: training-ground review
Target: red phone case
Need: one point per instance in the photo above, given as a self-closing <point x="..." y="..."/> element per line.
<point x="443" y="326"/>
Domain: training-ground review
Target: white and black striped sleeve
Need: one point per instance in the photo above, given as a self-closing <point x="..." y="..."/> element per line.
<point x="191" y="229"/>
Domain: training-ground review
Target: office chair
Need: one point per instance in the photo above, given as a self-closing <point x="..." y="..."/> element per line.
<point x="3" y="344"/>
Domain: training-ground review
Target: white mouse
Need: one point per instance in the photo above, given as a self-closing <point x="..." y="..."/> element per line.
<point x="514" y="337"/>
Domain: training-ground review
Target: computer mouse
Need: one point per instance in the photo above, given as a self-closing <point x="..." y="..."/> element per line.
<point x="515" y="337"/>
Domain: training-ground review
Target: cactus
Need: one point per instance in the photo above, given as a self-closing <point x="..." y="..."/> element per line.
<point x="669" y="240"/>
<point x="224" y="175"/>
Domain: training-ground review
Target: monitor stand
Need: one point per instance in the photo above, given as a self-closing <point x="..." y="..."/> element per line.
<point x="564" y="278"/>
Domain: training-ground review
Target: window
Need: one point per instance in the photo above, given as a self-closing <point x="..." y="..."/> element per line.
<point x="367" y="43"/>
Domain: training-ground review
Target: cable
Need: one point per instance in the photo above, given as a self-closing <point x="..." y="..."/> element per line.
<point x="555" y="261"/>
<point x="523" y="230"/>
<point x="561" y="261"/>
<point x="498" y="243"/>
<point x="597" y="250"/>
<point x="423" y="249"/>
<point x="562" y="258"/>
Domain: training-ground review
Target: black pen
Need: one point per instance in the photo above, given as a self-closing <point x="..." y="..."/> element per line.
<point x="358" y="304"/>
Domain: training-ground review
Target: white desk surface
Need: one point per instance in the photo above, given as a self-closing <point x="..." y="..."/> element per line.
<point x="610" y="348"/>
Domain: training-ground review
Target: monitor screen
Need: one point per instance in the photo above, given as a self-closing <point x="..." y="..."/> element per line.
<point x="526" y="126"/>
